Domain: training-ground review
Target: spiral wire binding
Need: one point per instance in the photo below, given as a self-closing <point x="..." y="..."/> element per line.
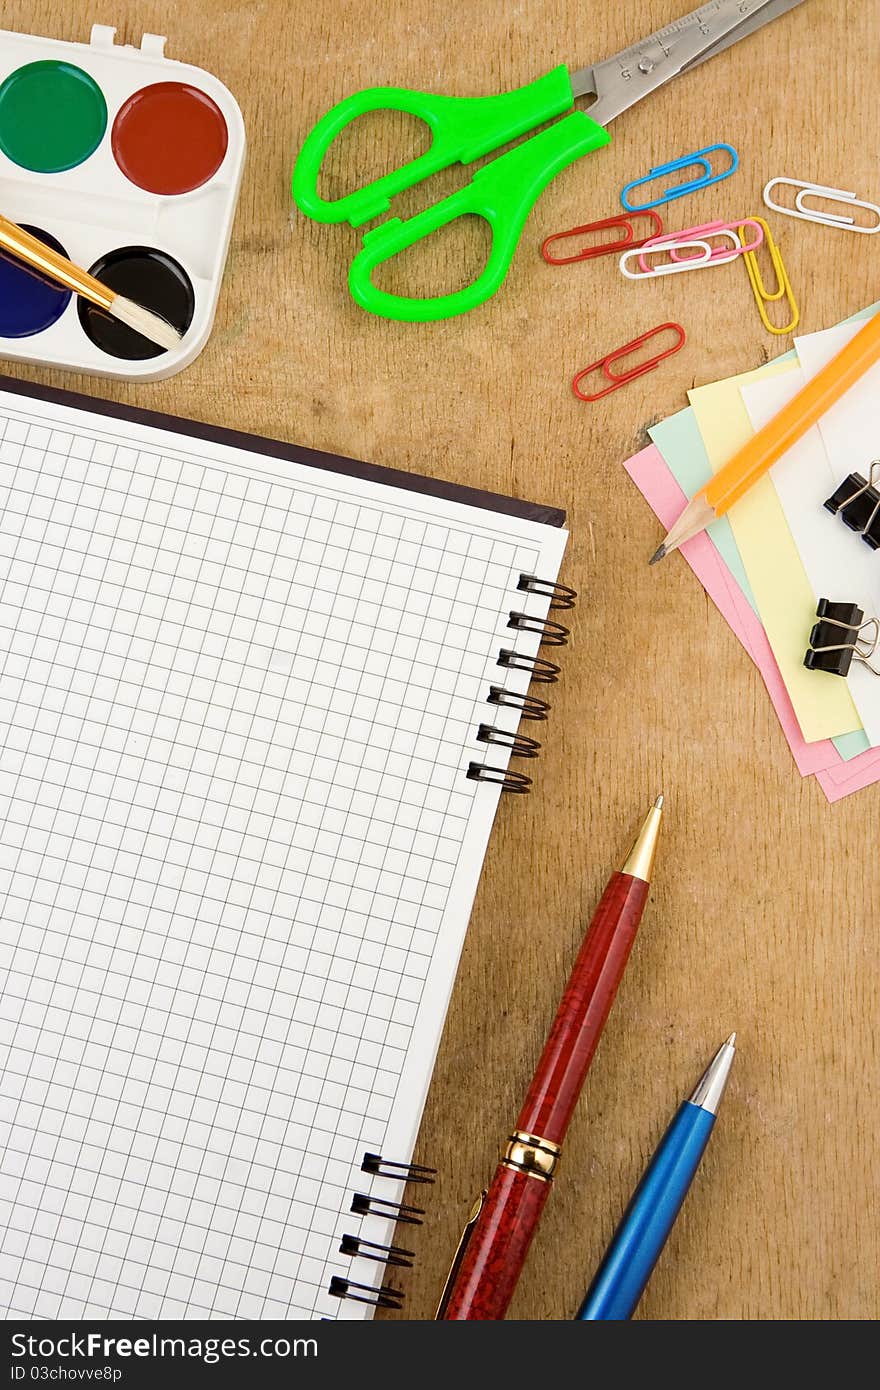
<point x="356" y="1247"/>
<point x="384" y="1168"/>
<point x="386" y="1254"/>
<point x="529" y="706"/>
<point x="560" y="595"/>
<point x="517" y="782"/>
<point x="551" y="634"/>
<point x="379" y="1295"/>
<point x="365" y="1204"/>
<point x="540" y="672"/>
<point x="520" y="746"/>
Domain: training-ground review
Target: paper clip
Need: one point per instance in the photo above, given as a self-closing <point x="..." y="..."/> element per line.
<point x="679" y="190"/>
<point x="826" y="652"/>
<point x="783" y="284"/>
<point x="675" y="267"/>
<point x="709" y="229"/>
<point x="605" y="248"/>
<point x="825" y="219"/>
<point x="617" y="381"/>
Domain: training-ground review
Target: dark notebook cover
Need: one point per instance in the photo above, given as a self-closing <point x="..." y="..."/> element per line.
<point x="290" y="453"/>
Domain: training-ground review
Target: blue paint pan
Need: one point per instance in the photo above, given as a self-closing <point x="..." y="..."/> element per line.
<point x="28" y="303"/>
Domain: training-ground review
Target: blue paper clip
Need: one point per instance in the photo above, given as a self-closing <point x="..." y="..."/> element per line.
<point x="685" y="162"/>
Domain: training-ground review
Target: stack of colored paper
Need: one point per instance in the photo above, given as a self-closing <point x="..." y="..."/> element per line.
<point x="778" y="551"/>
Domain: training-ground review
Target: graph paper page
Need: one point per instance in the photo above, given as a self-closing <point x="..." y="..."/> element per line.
<point x="238" y="852"/>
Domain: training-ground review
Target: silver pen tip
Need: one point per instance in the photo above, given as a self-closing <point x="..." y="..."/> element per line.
<point x="710" y="1088"/>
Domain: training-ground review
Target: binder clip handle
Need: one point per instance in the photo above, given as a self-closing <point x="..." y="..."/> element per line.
<point x="842" y="636"/>
<point x="857" y="502"/>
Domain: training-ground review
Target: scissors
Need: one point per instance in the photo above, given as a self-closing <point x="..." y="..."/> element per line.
<point x="503" y="191"/>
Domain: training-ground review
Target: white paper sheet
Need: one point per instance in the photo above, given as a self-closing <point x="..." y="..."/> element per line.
<point x="850" y="430"/>
<point x="239" y="852"/>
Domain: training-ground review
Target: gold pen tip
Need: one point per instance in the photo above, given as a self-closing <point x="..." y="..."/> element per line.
<point x="640" y="860"/>
<point x="659" y="554"/>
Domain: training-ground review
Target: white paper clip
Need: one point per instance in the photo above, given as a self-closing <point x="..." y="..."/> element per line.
<point x="708" y="256"/>
<point x="826" y="219"/>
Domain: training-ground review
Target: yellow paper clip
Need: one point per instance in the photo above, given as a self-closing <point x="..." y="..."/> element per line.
<point x="759" y="289"/>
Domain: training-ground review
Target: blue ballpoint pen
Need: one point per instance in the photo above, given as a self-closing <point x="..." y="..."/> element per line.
<point x="644" y="1229"/>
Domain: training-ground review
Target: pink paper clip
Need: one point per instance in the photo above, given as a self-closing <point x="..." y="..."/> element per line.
<point x="718" y="255"/>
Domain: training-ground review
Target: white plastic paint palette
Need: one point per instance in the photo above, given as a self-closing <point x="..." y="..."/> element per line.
<point x="131" y="165"/>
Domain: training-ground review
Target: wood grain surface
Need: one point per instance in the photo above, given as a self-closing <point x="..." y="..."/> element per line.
<point x="764" y="912"/>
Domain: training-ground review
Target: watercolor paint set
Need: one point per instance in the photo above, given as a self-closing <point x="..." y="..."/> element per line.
<point x="129" y="164"/>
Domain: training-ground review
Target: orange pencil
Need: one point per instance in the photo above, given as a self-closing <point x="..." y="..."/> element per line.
<point x="777" y="437"/>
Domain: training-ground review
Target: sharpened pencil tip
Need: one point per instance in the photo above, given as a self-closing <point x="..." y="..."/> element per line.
<point x="659" y="554"/>
<point x="731" y="1040"/>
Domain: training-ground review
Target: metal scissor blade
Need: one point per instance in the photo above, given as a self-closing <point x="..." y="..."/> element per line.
<point x="619" y="82"/>
<point x="742" y="31"/>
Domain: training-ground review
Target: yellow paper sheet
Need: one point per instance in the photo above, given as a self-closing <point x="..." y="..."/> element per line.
<point x="824" y="709"/>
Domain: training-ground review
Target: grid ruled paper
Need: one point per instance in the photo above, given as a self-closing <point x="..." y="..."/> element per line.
<point x="238" y="852"/>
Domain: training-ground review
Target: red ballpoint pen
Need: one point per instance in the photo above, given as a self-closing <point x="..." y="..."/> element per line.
<point x="494" y="1246"/>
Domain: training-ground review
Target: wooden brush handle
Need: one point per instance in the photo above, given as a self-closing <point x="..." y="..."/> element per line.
<point x="41" y="257"/>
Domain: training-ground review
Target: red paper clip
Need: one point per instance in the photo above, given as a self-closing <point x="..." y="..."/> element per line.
<point x="640" y="370"/>
<point x="605" y="248"/>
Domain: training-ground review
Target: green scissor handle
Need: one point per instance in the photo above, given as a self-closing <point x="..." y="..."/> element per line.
<point x="463" y="129"/>
<point x="503" y="193"/>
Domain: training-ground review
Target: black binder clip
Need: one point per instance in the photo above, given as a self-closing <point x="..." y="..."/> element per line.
<point x="857" y="502"/>
<point x="841" y="637"/>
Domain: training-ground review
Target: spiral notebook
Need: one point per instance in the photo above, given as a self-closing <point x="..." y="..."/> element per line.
<point x="256" y="714"/>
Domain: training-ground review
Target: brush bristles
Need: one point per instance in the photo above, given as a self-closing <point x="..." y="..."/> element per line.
<point x="148" y="324"/>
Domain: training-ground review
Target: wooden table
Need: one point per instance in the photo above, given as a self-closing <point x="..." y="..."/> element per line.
<point x="764" y="912"/>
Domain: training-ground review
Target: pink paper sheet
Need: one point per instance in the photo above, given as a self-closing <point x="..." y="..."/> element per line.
<point x="850" y="777"/>
<point x="837" y="778"/>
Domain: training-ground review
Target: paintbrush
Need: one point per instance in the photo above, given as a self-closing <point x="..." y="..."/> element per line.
<point x="42" y="258"/>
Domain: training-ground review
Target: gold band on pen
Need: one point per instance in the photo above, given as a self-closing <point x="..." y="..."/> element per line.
<point x="525" y="1153"/>
<point x="530" y="1154"/>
